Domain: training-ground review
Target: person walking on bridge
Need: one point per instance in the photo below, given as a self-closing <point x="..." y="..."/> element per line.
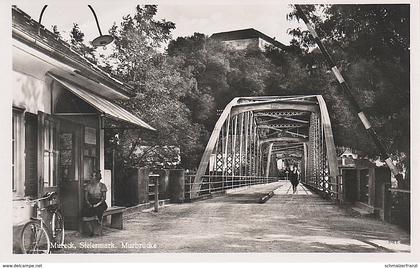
<point x="294" y="178"/>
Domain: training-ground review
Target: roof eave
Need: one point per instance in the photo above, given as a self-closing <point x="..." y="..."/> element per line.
<point x="71" y="58"/>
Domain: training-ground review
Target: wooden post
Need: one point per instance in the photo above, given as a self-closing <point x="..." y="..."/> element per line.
<point x="142" y="181"/>
<point x="387" y="202"/>
<point x="156" y="194"/>
<point x="112" y="202"/>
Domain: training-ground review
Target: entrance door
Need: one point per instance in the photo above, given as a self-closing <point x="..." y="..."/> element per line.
<point x="68" y="170"/>
<point x="350" y="185"/>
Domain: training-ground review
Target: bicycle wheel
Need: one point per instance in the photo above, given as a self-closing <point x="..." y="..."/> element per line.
<point x="34" y="238"/>
<point x="57" y="226"/>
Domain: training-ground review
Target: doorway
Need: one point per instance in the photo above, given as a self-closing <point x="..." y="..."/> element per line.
<point x="69" y="172"/>
<point x="350" y="184"/>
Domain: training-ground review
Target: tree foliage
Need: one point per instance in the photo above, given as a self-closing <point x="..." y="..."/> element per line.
<point x="159" y="87"/>
<point x="77" y="43"/>
<point x="371" y="45"/>
<point x="180" y="90"/>
<point x="55" y="31"/>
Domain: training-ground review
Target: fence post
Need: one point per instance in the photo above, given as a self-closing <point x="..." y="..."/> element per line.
<point x="339" y="189"/>
<point x="142" y="186"/>
<point x="387" y="202"/>
<point x="157" y="193"/>
<point x="189" y="183"/>
<point x="210" y="183"/>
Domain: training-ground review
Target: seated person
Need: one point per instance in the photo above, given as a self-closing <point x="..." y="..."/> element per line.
<point x="95" y="205"/>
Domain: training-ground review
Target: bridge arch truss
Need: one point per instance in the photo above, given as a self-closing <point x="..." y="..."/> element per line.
<point x="253" y="133"/>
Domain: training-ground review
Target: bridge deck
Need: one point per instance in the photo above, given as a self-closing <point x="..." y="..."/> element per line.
<point x="301" y="222"/>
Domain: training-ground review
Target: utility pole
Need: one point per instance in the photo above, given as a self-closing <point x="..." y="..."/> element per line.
<point x="347" y="90"/>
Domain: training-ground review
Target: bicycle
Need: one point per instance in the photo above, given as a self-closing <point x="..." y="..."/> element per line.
<point x="36" y="235"/>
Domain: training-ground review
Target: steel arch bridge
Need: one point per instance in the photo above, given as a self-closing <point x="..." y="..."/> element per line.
<point x="253" y="133"/>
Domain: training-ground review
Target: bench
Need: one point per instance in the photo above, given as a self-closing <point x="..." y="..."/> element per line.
<point x="116" y="214"/>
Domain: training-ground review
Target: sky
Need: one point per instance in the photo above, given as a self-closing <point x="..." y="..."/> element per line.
<point x="189" y="17"/>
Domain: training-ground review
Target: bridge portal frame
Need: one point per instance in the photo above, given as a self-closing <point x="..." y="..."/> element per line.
<point x="242" y="109"/>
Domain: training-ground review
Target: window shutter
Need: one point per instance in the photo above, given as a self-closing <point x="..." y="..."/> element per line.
<point x="40" y="169"/>
<point x="31" y="157"/>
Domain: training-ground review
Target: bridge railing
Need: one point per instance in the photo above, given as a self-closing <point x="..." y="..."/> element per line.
<point x="213" y="184"/>
<point x="328" y="186"/>
<point x="397" y="207"/>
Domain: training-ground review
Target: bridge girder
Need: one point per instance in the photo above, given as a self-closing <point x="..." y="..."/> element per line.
<point x="273" y="105"/>
<point x="236" y="144"/>
<point x="282" y="139"/>
<point x="281" y="126"/>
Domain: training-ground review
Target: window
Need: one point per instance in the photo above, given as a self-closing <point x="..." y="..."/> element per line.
<point x="16" y="150"/>
<point x="50" y="153"/>
<point x="90" y="152"/>
<point x="66" y="162"/>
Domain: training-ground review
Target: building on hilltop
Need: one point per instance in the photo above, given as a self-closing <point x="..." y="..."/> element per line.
<point x="248" y="39"/>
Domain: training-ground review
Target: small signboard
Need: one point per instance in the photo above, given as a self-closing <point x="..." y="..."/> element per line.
<point x="90" y="135"/>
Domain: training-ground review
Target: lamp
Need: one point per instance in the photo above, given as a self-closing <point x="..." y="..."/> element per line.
<point x="101" y="40"/>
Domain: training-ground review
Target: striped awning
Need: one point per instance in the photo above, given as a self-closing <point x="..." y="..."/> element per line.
<point x="102" y="104"/>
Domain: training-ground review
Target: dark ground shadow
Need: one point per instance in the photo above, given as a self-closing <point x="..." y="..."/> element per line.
<point x="238" y="198"/>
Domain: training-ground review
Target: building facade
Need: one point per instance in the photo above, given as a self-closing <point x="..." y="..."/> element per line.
<point x="248" y="39"/>
<point x="61" y="104"/>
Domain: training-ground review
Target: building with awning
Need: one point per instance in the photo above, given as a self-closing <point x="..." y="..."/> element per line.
<point x="61" y="103"/>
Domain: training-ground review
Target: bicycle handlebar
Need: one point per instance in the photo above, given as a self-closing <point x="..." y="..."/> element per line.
<point x="47" y="196"/>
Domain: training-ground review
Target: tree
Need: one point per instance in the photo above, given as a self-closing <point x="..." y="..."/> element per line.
<point x="55" y="31"/>
<point x="178" y="91"/>
<point x="136" y="42"/>
<point x="77" y="43"/>
<point x="138" y="60"/>
<point x="371" y="46"/>
<point x="220" y="74"/>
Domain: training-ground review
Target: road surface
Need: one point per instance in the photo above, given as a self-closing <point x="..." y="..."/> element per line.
<point x="237" y="222"/>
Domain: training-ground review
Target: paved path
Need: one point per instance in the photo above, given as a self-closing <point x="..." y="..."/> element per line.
<point x="301" y="222"/>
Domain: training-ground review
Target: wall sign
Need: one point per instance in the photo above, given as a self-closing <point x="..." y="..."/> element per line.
<point x="90" y="135"/>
